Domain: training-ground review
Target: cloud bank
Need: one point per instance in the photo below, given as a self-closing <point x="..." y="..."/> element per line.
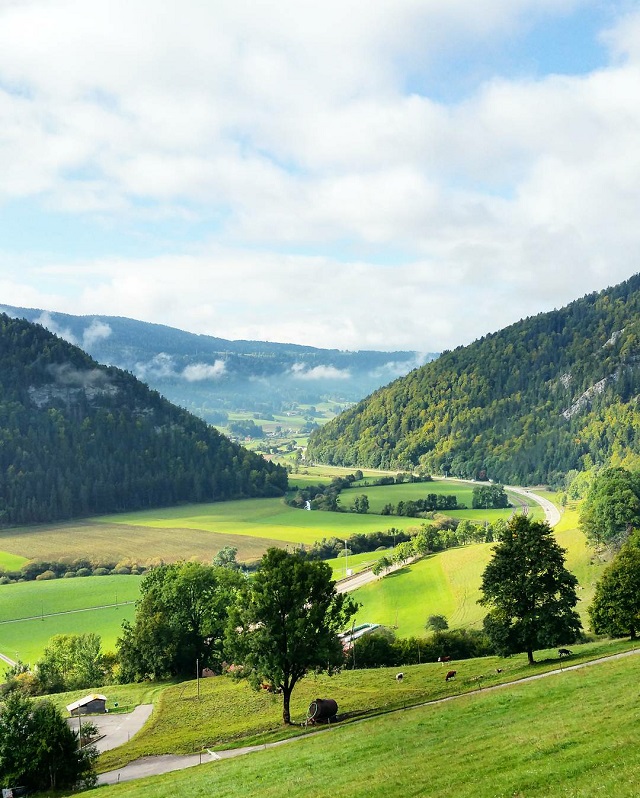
<point x="361" y="176"/>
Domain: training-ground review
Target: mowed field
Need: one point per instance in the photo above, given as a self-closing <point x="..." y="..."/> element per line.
<point x="448" y="583"/>
<point x="32" y="612"/>
<point x="251" y="525"/>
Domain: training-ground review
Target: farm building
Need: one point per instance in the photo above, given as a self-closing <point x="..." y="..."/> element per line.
<point x="89" y="705"/>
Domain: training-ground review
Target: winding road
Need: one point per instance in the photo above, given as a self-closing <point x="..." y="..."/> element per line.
<point x="551" y="512"/>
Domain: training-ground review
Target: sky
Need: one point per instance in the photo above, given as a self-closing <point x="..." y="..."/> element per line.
<point x="352" y="174"/>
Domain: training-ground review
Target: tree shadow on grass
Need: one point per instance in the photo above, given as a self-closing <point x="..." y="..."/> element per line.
<point x="404" y="570"/>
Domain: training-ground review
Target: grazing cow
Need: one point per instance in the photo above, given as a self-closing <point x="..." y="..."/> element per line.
<point x="399" y="677"/>
<point x="564" y="652"/>
<point x="442" y="660"/>
<point x="450" y="675"/>
<point x="498" y="670"/>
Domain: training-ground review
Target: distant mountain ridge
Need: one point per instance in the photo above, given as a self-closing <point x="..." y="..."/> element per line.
<point x="78" y="438"/>
<point x="206" y="374"/>
<point x="552" y="393"/>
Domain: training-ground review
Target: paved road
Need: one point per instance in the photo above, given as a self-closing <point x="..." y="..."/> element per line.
<point x="551" y="512"/>
<point x="116" y="728"/>
<point x="9" y="662"/>
<point x="364" y="577"/>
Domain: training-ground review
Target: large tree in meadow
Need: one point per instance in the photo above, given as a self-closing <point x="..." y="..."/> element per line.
<point x="530" y="593"/>
<point x="616" y="603"/>
<point x="286" y="622"/>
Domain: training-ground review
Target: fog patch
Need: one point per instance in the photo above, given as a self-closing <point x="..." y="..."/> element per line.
<point x="70" y="377"/>
<point x="96" y="331"/>
<point x="301" y="372"/>
<point x="47" y="321"/>
<point x="398" y="368"/>
<point x="161" y="365"/>
<point x="197" y="372"/>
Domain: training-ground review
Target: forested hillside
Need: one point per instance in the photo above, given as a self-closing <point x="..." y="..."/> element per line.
<point x="213" y="376"/>
<point x="527" y="404"/>
<point x="78" y="438"/>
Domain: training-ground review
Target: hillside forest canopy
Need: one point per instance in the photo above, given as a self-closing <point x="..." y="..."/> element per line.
<point x="80" y="439"/>
<point x="524" y="405"/>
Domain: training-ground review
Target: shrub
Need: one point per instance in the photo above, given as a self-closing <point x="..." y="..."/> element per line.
<point x="84" y="572"/>
<point x="45" y="575"/>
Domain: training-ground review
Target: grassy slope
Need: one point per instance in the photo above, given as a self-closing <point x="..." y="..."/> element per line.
<point x="574" y="734"/>
<point x="445" y="584"/>
<point x="449" y="584"/>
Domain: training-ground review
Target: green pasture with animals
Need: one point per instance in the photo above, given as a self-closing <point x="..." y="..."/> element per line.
<point x="63" y="606"/>
<point x="229" y="713"/>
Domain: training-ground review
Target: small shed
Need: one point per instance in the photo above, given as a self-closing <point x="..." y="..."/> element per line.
<point x="89" y="705"/>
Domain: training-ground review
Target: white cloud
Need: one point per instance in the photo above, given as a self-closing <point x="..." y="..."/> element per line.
<point x="96" y="331"/>
<point x="301" y="372"/>
<point x="48" y="322"/>
<point x="197" y="372"/>
<point x="162" y="365"/>
<point x="407" y="221"/>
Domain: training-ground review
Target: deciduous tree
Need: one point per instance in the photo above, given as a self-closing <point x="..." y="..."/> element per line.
<point x="38" y="750"/>
<point x="180" y="620"/>
<point x="286" y="622"/>
<point x="530" y="593"/>
<point x="616" y="603"/>
<point x="71" y="662"/>
<point x="612" y="506"/>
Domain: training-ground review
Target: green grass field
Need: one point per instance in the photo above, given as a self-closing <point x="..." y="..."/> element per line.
<point x="194" y="530"/>
<point x="11" y="562"/>
<point x="446" y="584"/>
<point x="574" y="735"/>
<point x="200" y="530"/>
<point x="100" y="599"/>
<point x="229" y="713"/>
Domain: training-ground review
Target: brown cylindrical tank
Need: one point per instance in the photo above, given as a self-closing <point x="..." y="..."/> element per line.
<point x="322" y="710"/>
